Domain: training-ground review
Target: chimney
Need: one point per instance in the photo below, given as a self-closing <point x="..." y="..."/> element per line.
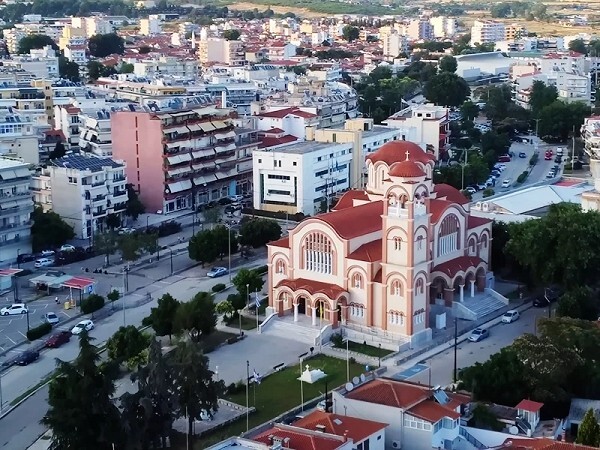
<point x="321" y="428"/>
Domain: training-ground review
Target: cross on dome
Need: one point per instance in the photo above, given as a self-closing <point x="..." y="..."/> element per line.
<point x="407" y="154"/>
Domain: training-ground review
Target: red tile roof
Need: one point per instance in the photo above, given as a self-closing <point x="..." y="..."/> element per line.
<point x="347" y="200"/>
<point x="529" y="405"/>
<point x="474" y="221"/>
<point x="356" y="429"/>
<point x="281" y="113"/>
<point x="371" y="252"/>
<point x="349" y="223"/>
<point x="378" y="276"/>
<point x="446" y="192"/>
<point x="395" y="151"/>
<point x="460" y="264"/>
<point x="542" y="444"/>
<point x="267" y="142"/>
<point x="284" y="242"/>
<point x="431" y="411"/>
<point x="313" y="287"/>
<point x="72" y="109"/>
<point x="406" y="169"/>
<point x="274" y="131"/>
<point x="388" y="392"/>
<point x="437" y="208"/>
<point x="299" y="440"/>
<point x="58" y="133"/>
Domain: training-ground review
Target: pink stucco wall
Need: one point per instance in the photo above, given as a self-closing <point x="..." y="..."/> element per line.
<point x="137" y="139"/>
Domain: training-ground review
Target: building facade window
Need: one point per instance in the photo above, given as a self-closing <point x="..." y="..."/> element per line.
<point x="318" y="253"/>
<point x="280" y="266"/>
<point x="357" y="281"/>
<point x="397" y="243"/>
<point x="448" y="236"/>
<point x="396" y="288"/>
<point x="420" y="286"/>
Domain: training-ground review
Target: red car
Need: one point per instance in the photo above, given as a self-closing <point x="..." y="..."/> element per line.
<point x="58" y="339"/>
<point x="548" y="156"/>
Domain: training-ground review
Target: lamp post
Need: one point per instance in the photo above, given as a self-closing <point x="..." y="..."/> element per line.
<point x="379" y="355"/>
<point x="455" y="375"/>
<point x="247" y="385"/>
<point x="171" y="257"/>
<point x="247" y="295"/>
<point x="229" y="249"/>
<point x="301" y="382"/>
<point x="18" y="259"/>
<point x="347" y="359"/>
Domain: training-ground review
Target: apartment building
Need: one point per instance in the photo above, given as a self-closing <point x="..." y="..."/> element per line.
<point x="42" y="63"/>
<point x="426" y="125"/>
<point x="218" y="50"/>
<point x="83" y="189"/>
<point x="95" y="133"/>
<point x="590" y="133"/>
<point x="73" y="44"/>
<point x="18" y="137"/>
<point x="571" y="87"/>
<point x="185" y="157"/>
<point x="150" y="26"/>
<point x="419" y="29"/>
<point x="167" y="66"/>
<point x="93" y="25"/>
<point x="66" y="119"/>
<point x="487" y="32"/>
<point x="16" y="207"/>
<point x="443" y="27"/>
<point x="514" y="32"/>
<point x="394" y="44"/>
<point x="301" y="177"/>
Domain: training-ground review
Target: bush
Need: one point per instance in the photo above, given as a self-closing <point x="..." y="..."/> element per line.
<point x="234" y="388"/>
<point x="232" y="340"/>
<point x="39" y="331"/>
<point x="337" y="340"/>
<point x="169" y="228"/>
<point x="93" y="303"/>
<point x="488" y="192"/>
<point x="218" y="287"/>
<point x="261" y="270"/>
<point x="534" y="159"/>
<point x="298" y="217"/>
<point x="521" y="178"/>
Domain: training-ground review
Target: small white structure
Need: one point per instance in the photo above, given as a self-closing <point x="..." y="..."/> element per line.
<point x="311" y="376"/>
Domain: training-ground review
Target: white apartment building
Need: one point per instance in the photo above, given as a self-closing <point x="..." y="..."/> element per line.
<point x="92" y="25"/>
<point x="426" y="125"/>
<point x="42" y="63"/>
<point x="16" y="207"/>
<point x="443" y="27"/>
<point x="14" y="35"/>
<point x="487" y="31"/>
<point x="18" y="137"/>
<point x="167" y="66"/>
<point x="394" y="44"/>
<point x="150" y="26"/>
<point x="300" y="177"/>
<point x="218" y="50"/>
<point x="94" y="133"/>
<point x="83" y="190"/>
<point x="66" y="119"/>
<point x="419" y="29"/>
<point x="571" y="87"/>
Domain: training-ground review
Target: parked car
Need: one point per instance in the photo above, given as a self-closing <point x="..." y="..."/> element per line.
<point x="58" y="339"/>
<point x="479" y="334"/>
<point x="558" y="159"/>
<point x="14" y="309"/>
<point x="550" y="295"/>
<point x="236" y="198"/>
<point x="504" y="158"/>
<point x="84" y="325"/>
<point x="123" y="231"/>
<point x="216" y="272"/>
<point x="50" y="318"/>
<point x="522" y="155"/>
<point x="506" y="183"/>
<point x="25" y="257"/>
<point x="471" y="190"/>
<point x="27" y="357"/>
<point x="548" y="156"/>
<point x="551" y="174"/>
<point x="43" y="262"/>
<point x="510" y="316"/>
<point x="67" y="248"/>
<point x="47" y="252"/>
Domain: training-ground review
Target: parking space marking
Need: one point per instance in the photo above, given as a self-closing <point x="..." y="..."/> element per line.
<point x="8" y="337"/>
<point x="66" y="314"/>
<point x="22" y="335"/>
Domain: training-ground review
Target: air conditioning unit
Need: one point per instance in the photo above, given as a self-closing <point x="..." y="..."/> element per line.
<point x="396" y="444"/>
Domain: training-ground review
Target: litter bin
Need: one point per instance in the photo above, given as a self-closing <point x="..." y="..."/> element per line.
<point x="67" y="305"/>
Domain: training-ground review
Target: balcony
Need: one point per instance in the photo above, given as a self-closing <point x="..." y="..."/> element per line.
<point x="14" y="195"/>
<point x="119" y="194"/>
<point x="16" y="226"/>
<point x="21" y="209"/>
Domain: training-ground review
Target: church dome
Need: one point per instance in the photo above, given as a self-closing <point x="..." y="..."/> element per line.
<point x="406" y="169"/>
<point x="396" y="151"/>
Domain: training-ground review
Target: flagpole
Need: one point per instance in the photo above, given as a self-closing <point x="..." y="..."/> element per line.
<point x="247" y="383"/>
<point x="257" y="306"/>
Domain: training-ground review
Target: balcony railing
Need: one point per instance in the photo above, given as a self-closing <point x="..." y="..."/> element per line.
<point x="14" y="195"/>
<point x="8" y="242"/>
<point x="119" y="193"/>
<point x="15" y="226"/>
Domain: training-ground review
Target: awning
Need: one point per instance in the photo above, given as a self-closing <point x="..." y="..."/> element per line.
<point x="8" y="205"/>
<point x="203" y="153"/>
<point x="80" y="283"/>
<point x="8" y="175"/>
<point x="178" y="130"/>
<point x="207" y="127"/>
<point x="179" y="186"/>
<point x="195" y="127"/>
<point x="183" y="113"/>
<point x="220" y="124"/>
<point x="173" y="144"/>
<point x="225" y="148"/>
<point x="199" y="181"/>
<point x="178" y="159"/>
<point x="227" y="135"/>
<point x="178" y="171"/>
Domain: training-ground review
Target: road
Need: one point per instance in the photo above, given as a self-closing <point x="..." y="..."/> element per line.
<point x="468" y="353"/>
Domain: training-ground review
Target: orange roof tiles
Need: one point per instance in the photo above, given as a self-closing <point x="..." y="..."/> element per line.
<point x="406" y="169"/>
<point x="388" y="392"/>
<point x="437" y="208"/>
<point x="446" y="192"/>
<point x="431" y="411"/>
<point x="356" y="429"/>
<point x="299" y="440"/>
<point x="462" y="263"/>
<point x="281" y="113"/>
<point x="474" y="221"/>
<point x="395" y="151"/>
<point x="313" y="287"/>
<point x="543" y="444"/>
<point x="284" y="242"/>
<point x="371" y="252"/>
<point x="267" y="142"/>
<point x="347" y="200"/>
<point x="529" y="405"/>
<point x="349" y="223"/>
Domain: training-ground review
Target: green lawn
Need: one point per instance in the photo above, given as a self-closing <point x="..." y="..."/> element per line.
<point x="248" y="323"/>
<point x="280" y="392"/>
<point x="365" y="349"/>
<point x="214" y="339"/>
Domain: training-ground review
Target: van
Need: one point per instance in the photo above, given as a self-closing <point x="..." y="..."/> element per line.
<point x="43" y="262"/>
<point x="559" y="151"/>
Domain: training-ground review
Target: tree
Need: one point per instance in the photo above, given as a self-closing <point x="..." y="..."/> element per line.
<point x="578" y="303"/>
<point x="106" y="244"/>
<point x="162" y="317"/>
<point x="559" y="119"/>
<point x="97" y="70"/>
<point x="48" y="230"/>
<point x="58" y="152"/>
<point x="225" y="308"/>
<point x="35" y="41"/>
<point x="196" y="391"/>
<point x="69" y="70"/>
<point x="447" y="89"/>
<point x="231" y="35"/>
<point x="350" y="33"/>
<point x="197" y="317"/>
<point x="134" y="207"/>
<point x="203" y="248"/>
<point x="259" y="232"/>
<point x="126" y="68"/>
<point x="113" y="221"/>
<point x="221" y="238"/>
<point x="247" y="282"/>
<point x="102" y="45"/>
<point x="81" y="413"/>
<point x="578" y="45"/>
<point x="448" y="64"/>
<point x="113" y="296"/>
<point x="212" y="215"/>
<point x="126" y="343"/>
<point x="469" y="110"/>
<point x="541" y="96"/>
<point x="589" y="430"/>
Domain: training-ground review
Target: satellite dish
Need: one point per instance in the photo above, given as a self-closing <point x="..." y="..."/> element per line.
<point x="355" y="380"/>
<point x="362" y="377"/>
<point x="513" y="430"/>
<point x="349" y="387"/>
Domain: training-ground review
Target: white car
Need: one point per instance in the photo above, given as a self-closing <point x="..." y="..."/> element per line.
<point x="84" y="325"/>
<point x="47" y="252"/>
<point x="506" y="183"/>
<point x="67" y="248"/>
<point x="510" y="316"/>
<point x="50" y="318"/>
<point x="15" y="308"/>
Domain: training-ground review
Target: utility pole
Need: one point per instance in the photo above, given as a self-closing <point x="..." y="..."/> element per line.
<point x="537" y="123"/>
<point x="247" y="385"/>
<point x="573" y="152"/>
<point x="455" y="376"/>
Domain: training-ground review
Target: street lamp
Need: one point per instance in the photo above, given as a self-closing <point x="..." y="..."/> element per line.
<point x="18" y="259"/>
<point x="455" y="376"/>
<point x="301" y="382"/>
<point x="229" y="248"/>
<point x="347" y="359"/>
<point x="247" y="296"/>
<point x="171" y="256"/>
<point x="379" y="355"/>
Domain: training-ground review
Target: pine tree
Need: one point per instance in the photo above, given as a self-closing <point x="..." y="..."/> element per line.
<point x="589" y="430"/>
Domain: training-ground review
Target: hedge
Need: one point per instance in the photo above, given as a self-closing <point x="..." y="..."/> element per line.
<point x="281" y="215"/>
<point x="39" y="331"/>
<point x="521" y="178"/>
<point x="261" y="270"/>
<point x="218" y="287"/>
<point x="93" y="303"/>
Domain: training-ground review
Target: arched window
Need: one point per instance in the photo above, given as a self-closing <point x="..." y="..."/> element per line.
<point x="484" y="241"/>
<point x="381" y="176"/>
<point x="472" y="246"/>
<point x="419" y="286"/>
<point x="448" y="235"/>
<point x="396" y="288"/>
<point x="419" y="242"/>
<point x="357" y="281"/>
<point x="318" y="253"/>
<point x="397" y="243"/>
<point x="280" y="266"/>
